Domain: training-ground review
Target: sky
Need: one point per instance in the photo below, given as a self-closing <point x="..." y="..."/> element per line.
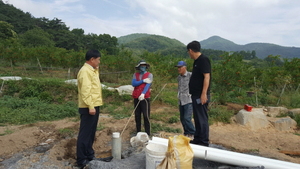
<point x="240" y="21"/>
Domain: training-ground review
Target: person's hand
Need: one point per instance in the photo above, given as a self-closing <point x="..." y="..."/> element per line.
<point x="203" y="99"/>
<point x="142" y="97"/>
<point x="92" y="111"/>
<point x="147" y="80"/>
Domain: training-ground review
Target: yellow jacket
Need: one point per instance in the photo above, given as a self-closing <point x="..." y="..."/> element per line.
<point x="89" y="87"/>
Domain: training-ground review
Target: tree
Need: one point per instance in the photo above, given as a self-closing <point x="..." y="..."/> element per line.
<point x="231" y="74"/>
<point x="101" y="42"/>
<point x="36" y="37"/>
<point x="274" y="60"/>
<point x="6" y="31"/>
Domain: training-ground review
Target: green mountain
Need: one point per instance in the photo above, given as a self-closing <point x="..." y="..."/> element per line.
<point x="153" y="43"/>
<point x="262" y="49"/>
<point x="131" y="37"/>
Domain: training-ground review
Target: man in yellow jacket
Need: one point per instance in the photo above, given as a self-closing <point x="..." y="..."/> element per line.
<point x="89" y="102"/>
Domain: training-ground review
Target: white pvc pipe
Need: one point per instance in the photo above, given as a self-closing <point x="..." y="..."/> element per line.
<point x="116" y="145"/>
<point x="233" y="158"/>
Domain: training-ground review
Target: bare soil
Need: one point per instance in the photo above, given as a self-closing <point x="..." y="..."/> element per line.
<point x="62" y="145"/>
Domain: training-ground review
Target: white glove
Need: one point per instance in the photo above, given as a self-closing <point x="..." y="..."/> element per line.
<point x="142" y="97"/>
<point x="147" y="80"/>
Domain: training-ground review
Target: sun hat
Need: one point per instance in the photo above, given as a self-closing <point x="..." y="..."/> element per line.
<point x="142" y="62"/>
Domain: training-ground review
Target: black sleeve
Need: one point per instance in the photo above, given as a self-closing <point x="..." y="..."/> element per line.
<point x="205" y="65"/>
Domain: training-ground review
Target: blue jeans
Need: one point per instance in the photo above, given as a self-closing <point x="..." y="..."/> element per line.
<point x="186" y="112"/>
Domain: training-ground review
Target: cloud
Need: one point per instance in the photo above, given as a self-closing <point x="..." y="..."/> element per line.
<point x="241" y="21"/>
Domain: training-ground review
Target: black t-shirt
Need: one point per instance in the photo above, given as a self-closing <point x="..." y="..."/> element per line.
<point x="201" y="65"/>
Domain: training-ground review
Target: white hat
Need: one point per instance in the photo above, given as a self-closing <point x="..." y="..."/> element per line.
<point x="142" y="62"/>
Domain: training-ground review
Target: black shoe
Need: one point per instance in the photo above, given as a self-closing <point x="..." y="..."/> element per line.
<point x="106" y="159"/>
<point x="82" y="165"/>
<point x="198" y="143"/>
<point x="94" y="158"/>
<point x="194" y="142"/>
<point x="205" y="145"/>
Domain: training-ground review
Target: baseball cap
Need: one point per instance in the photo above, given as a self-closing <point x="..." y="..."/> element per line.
<point x="180" y="64"/>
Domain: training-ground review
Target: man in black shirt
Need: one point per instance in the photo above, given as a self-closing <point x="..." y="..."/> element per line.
<point x="199" y="88"/>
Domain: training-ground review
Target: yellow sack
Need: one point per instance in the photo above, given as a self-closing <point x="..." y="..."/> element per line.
<point x="179" y="155"/>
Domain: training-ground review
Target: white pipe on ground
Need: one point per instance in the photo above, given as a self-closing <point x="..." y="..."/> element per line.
<point x="233" y="158"/>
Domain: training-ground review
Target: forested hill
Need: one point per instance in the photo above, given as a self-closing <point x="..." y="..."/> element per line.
<point x="154" y="43"/>
<point x="24" y="29"/>
<point x="262" y="49"/>
<point x="151" y="43"/>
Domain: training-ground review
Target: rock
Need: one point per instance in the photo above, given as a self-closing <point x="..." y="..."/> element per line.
<point x="276" y="111"/>
<point x="295" y="111"/>
<point x="283" y="124"/>
<point x="43" y="148"/>
<point x="254" y="119"/>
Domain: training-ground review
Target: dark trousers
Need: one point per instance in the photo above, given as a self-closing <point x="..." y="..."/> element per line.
<point x="201" y="122"/>
<point x="143" y="108"/>
<point x="86" y="135"/>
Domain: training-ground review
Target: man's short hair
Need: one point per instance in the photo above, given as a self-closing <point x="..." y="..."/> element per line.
<point x="92" y="54"/>
<point x="194" y="46"/>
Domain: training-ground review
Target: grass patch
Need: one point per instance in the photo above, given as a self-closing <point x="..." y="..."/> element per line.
<point x="219" y="114"/>
<point x="297" y="119"/>
<point x="156" y="127"/>
<point x="117" y="111"/>
<point x="173" y="119"/>
<point x="6" y="132"/>
<point x="167" y="95"/>
<point x="66" y="132"/>
<point x="297" y="134"/>
<point x="290" y="100"/>
<point x="19" y="111"/>
<point x="47" y="90"/>
<point x="100" y="127"/>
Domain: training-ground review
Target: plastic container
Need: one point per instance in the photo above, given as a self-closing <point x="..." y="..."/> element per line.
<point x="248" y="107"/>
<point x="155" y="153"/>
<point x="142" y="136"/>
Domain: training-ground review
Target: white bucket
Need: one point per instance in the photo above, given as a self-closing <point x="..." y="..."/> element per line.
<point x="155" y="153"/>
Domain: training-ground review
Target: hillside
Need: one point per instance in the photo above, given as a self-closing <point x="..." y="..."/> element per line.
<point x="165" y="45"/>
<point x="262" y="49"/>
<point x="139" y="43"/>
<point x="151" y="43"/>
<point x="128" y="38"/>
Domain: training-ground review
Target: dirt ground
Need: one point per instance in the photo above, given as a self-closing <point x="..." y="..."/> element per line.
<point x="59" y="137"/>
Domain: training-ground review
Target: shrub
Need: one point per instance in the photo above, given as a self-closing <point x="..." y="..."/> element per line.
<point x="20" y="111"/>
<point x="173" y="119"/>
<point x="219" y="114"/>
